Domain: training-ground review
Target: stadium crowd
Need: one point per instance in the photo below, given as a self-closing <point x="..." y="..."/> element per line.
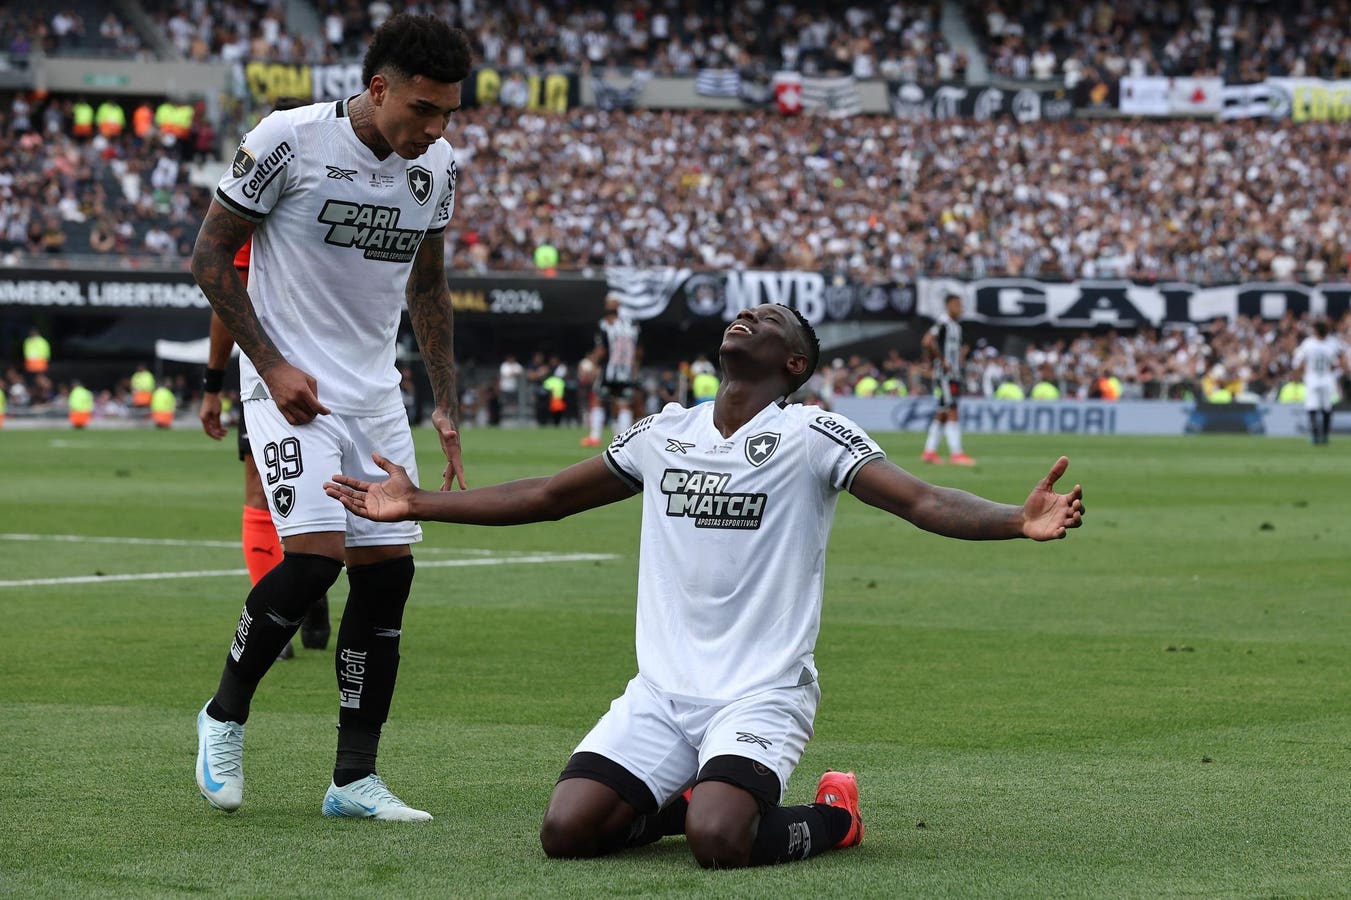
<point x="676" y="37"/>
<point x="124" y="196"/>
<point x="1242" y="41"/>
<point x="58" y="29"/>
<point x="874" y="198"/>
<point x="885" y="199"/>
<point x="877" y="199"/>
<point x="1248" y="358"/>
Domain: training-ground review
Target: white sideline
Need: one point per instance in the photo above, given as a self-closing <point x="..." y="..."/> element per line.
<point x="480" y="558"/>
<point x="230" y="544"/>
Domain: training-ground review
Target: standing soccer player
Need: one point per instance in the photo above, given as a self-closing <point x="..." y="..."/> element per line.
<point x="943" y="345"/>
<point x="617" y="341"/>
<point x="1317" y="360"/>
<point x="738" y="499"/>
<point x="262" y="547"/>
<point x="343" y="201"/>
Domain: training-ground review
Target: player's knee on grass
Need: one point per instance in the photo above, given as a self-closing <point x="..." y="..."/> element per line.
<point x="720" y="837"/>
<point x="730" y="795"/>
<point x="593" y="808"/>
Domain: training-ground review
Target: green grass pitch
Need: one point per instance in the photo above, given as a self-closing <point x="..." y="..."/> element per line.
<point x="1159" y="705"/>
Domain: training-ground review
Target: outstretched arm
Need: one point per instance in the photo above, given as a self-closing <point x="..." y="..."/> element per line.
<point x="1044" y="516"/>
<point x="579" y="487"/>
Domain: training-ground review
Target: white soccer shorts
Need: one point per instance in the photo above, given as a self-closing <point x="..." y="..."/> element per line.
<point x="1319" y="397"/>
<point x="294" y="461"/>
<point x="664" y="740"/>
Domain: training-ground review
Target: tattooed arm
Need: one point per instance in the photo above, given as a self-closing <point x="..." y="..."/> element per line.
<point x="947" y="511"/>
<point x="295" y="392"/>
<point x="433" y="321"/>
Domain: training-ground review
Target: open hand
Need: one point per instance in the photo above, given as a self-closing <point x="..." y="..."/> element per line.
<point x="385" y="501"/>
<point x="1046" y="514"/>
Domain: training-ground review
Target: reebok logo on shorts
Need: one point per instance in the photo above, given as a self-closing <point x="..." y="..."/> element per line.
<point x="745" y="737"/>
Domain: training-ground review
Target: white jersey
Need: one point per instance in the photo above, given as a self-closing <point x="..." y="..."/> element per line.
<point x="337" y="231"/>
<point x="733" y="549"/>
<point x="1320" y="358"/>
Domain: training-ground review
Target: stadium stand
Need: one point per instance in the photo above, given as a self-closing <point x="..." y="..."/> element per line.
<point x="122" y="197"/>
<point x="81" y="27"/>
<point x="877" y="199"/>
<point x="873" y="199"/>
<point x="885" y="199"/>
<point x="1242" y="41"/>
<point x="864" y="39"/>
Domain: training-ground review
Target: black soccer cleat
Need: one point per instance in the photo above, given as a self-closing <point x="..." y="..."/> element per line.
<point x="315" y="628"/>
<point x="287" y="652"/>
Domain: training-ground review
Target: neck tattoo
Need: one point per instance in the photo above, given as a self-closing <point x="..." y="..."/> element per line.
<point x="360" y="111"/>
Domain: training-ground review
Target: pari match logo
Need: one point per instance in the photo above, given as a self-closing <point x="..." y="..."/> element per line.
<point x="704" y="497"/>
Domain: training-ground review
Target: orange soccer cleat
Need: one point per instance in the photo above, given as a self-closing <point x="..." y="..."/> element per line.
<point x="590" y="442"/>
<point x="929" y="456"/>
<point x="961" y="459"/>
<point x="840" y="789"/>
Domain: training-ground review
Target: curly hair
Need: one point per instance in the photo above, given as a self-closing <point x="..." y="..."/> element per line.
<point x="410" y="45"/>
<point x="811" y="346"/>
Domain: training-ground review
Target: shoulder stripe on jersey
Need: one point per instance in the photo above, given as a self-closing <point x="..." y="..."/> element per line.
<point x="855" y="449"/>
<point x="636" y="429"/>
<point x="237" y="208"/>
<point x="853" y="473"/>
<point x="341" y="109"/>
<point x="441" y="230"/>
<point x="633" y="483"/>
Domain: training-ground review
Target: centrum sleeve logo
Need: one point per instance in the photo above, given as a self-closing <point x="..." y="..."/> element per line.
<point x="703" y="497"/>
<point x="373" y="229"/>
<point x="857" y="444"/>
<point x="268" y="168"/>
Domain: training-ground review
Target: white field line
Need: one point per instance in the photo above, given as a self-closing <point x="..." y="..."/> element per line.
<point x="148" y="542"/>
<point x="231" y="544"/>
<point x="532" y="559"/>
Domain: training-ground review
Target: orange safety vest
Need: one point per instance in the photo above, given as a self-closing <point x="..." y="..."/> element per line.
<point x="142" y="120"/>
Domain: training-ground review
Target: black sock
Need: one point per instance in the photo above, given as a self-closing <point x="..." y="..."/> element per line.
<point x="789" y="833"/>
<point x="271" y="616"/>
<point x="662" y="823"/>
<point x="367" y="661"/>
<point x="1315" y="420"/>
<point x="1327" y="425"/>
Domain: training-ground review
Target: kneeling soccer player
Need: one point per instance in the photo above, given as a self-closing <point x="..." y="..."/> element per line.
<point x="739" y="497"/>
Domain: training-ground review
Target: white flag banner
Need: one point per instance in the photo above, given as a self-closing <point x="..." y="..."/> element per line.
<point x="836" y="97"/>
<point x="1195" y="96"/>
<point x="717" y="83"/>
<point x="1144" y="96"/>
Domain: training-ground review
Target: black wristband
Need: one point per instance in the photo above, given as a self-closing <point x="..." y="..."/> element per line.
<point x="213" y="381"/>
